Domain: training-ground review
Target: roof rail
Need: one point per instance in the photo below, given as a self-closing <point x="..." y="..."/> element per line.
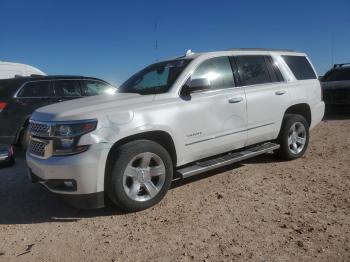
<point x="340" y="65"/>
<point x="262" y="49"/>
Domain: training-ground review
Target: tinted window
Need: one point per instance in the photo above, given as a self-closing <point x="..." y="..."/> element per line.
<point x="8" y="87"/>
<point x="35" y="89"/>
<point x="67" y="88"/>
<point x="275" y="73"/>
<point x="218" y="70"/>
<point x="92" y="88"/>
<point x="253" y="70"/>
<point x="156" y="78"/>
<point x="337" y="75"/>
<point x="300" y="67"/>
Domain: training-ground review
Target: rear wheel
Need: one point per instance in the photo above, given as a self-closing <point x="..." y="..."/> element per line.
<point x="25" y="138"/>
<point x="293" y="137"/>
<point x="141" y="175"/>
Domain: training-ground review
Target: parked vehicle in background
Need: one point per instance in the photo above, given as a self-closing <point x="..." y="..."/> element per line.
<point x="12" y="70"/>
<point x="189" y="115"/>
<point x="7" y="156"/>
<point x="19" y="97"/>
<point x="336" y="85"/>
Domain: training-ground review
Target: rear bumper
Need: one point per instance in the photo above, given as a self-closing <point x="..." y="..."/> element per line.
<point x="8" y="140"/>
<point x="317" y="113"/>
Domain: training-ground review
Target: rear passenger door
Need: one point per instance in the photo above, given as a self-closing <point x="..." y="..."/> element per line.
<point x="266" y="93"/>
<point x="64" y="90"/>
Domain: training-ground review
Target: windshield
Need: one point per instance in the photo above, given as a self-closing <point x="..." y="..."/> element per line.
<point x="156" y="78"/>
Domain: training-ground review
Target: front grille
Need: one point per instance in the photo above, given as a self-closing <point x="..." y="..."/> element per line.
<point x="39" y="129"/>
<point x="37" y="148"/>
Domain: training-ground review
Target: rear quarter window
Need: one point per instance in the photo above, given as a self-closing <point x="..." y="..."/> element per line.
<point x="300" y="67"/>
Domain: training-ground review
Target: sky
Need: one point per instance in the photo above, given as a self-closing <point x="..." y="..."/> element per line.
<point x="114" y="39"/>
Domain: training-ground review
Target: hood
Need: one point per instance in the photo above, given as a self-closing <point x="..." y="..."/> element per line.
<point x="91" y="107"/>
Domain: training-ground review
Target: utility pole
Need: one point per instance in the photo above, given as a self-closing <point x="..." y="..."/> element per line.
<point x="332" y="48"/>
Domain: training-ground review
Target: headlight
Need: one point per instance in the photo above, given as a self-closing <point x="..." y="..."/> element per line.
<point x="75" y="128"/>
<point x="67" y="135"/>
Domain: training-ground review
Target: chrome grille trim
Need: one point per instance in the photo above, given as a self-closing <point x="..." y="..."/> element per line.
<point x="37" y="148"/>
<point x="40" y="148"/>
<point x="40" y="128"/>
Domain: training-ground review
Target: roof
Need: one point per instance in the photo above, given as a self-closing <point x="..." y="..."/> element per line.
<point x="244" y="50"/>
<point x="50" y="77"/>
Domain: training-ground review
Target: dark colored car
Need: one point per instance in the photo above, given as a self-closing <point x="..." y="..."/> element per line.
<point x="7" y="156"/>
<point x="336" y="85"/>
<point x="20" y="97"/>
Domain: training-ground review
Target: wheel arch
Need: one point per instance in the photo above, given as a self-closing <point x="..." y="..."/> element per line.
<point x="161" y="137"/>
<point x="302" y="109"/>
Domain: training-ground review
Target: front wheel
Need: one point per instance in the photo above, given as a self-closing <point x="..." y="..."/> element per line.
<point x="293" y="137"/>
<point x="141" y="175"/>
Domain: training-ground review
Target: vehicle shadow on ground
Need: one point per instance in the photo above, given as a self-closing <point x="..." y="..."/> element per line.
<point x="25" y="203"/>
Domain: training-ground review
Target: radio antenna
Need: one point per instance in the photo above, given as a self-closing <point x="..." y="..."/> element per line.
<point x="156" y="41"/>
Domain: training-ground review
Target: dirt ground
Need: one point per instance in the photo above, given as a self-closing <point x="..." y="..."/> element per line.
<point x="258" y="210"/>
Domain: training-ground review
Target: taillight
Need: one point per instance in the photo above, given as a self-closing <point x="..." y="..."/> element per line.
<point x="2" y="106"/>
<point x="11" y="153"/>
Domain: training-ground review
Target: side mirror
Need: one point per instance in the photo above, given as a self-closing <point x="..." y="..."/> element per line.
<point x="194" y="85"/>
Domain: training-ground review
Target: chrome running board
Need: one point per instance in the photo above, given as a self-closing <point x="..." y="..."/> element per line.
<point x="224" y="160"/>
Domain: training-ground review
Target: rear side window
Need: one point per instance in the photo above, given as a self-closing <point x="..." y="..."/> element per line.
<point x="93" y="88"/>
<point x="337" y="75"/>
<point x="300" y="67"/>
<point x="218" y="70"/>
<point x="35" y="89"/>
<point x="67" y="88"/>
<point x="253" y="70"/>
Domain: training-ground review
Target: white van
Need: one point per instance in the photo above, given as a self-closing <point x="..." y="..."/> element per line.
<point x="11" y="70"/>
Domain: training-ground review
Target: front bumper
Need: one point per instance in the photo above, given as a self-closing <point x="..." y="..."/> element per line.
<point x="78" y="178"/>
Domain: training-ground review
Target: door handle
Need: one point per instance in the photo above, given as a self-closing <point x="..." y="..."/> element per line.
<point x="280" y="92"/>
<point x="235" y="100"/>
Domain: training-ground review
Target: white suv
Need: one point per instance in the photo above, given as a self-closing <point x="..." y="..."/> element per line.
<point x="175" y="119"/>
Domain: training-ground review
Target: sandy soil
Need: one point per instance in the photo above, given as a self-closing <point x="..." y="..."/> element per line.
<point x="259" y="210"/>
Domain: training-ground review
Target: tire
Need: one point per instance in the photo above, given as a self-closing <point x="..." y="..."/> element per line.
<point x="293" y="145"/>
<point x="24" y="138"/>
<point x="129" y="180"/>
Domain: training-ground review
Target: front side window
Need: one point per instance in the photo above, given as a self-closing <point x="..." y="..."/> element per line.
<point x="92" y="88"/>
<point x="35" y="89"/>
<point x="253" y="70"/>
<point x="67" y="88"/>
<point x="337" y="75"/>
<point x="300" y="67"/>
<point x="217" y="70"/>
<point x="156" y="78"/>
